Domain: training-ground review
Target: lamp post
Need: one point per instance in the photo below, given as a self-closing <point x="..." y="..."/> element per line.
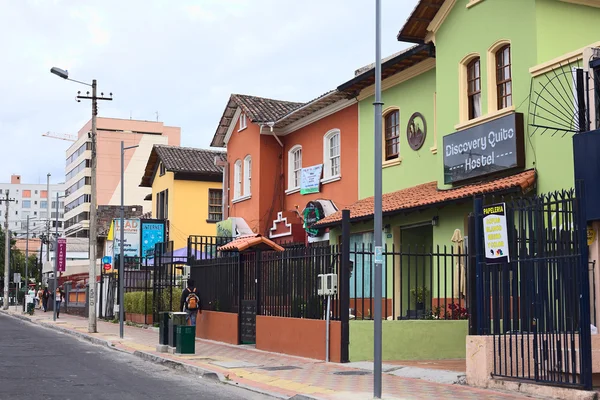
<point x="121" y="240"/>
<point x="56" y="255"/>
<point x="92" y="229"/>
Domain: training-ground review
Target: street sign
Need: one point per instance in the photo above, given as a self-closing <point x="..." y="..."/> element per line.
<point x="107" y="266"/>
<point x="61" y="248"/>
<point x="106" y="260"/>
<point x="378" y="255"/>
<point x="16" y="277"/>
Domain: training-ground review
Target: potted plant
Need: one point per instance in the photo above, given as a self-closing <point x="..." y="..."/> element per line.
<point x="420" y="294"/>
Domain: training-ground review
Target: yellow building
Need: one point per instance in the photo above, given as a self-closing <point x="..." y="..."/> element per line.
<point x="187" y="190"/>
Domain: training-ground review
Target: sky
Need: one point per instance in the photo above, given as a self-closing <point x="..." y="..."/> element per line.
<point x="175" y="60"/>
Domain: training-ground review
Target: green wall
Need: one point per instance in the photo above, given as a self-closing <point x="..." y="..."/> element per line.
<point x="410" y="340"/>
<point x="415" y="95"/>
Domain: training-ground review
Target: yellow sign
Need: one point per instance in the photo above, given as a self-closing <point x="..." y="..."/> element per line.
<point x="495" y="234"/>
<point x="591" y="235"/>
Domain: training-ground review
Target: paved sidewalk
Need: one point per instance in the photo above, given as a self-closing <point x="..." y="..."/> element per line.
<point x="275" y="374"/>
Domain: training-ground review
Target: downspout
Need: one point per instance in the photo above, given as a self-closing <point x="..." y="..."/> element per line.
<point x="271" y="125"/>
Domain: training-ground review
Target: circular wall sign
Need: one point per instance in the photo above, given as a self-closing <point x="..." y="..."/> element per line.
<point x="416" y="131"/>
<point x="312" y="214"/>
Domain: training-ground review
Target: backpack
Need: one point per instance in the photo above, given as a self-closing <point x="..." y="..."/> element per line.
<point x="192" y="302"/>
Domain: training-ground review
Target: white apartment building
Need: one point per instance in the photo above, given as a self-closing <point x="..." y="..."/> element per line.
<point x="32" y="200"/>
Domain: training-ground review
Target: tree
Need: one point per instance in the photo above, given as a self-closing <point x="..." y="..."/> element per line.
<point x="18" y="263"/>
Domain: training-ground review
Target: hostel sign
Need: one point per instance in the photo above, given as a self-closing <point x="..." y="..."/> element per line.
<point x="484" y="149"/>
<point x="495" y="234"/>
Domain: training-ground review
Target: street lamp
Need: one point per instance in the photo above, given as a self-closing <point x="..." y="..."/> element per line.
<point x="56" y="255"/>
<point x="92" y="229"/>
<point x="122" y="239"/>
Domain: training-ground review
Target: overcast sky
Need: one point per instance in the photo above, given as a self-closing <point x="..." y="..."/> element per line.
<point x="179" y="58"/>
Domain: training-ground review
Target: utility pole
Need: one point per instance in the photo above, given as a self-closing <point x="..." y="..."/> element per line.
<point x="48" y="219"/>
<point x="377" y="214"/>
<point x="27" y="255"/>
<point x="7" y="201"/>
<point x="56" y="259"/>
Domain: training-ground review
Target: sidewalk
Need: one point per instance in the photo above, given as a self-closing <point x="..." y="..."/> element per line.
<point x="278" y="375"/>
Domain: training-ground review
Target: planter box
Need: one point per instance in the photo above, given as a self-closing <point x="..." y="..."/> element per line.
<point x="139" y="318"/>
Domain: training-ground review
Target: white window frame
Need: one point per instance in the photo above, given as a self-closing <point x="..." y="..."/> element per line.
<point x="294" y="186"/>
<point x="247" y="175"/>
<point x="328" y="176"/>
<point x="243" y="122"/>
<point x="237" y="180"/>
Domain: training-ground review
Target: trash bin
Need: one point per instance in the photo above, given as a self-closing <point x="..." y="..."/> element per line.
<point x="175" y="319"/>
<point x="163" y="327"/>
<point x="186" y="339"/>
<point x="30" y="308"/>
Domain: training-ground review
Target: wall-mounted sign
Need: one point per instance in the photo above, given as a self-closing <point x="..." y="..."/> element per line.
<point x="484" y="149"/>
<point x="61" y="250"/>
<point x="310" y="179"/>
<point x="131" y="233"/>
<point x="312" y="214"/>
<point x="495" y="234"/>
<point x="152" y="233"/>
<point x="416" y="131"/>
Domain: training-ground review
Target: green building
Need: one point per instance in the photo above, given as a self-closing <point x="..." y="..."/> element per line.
<point x="484" y="103"/>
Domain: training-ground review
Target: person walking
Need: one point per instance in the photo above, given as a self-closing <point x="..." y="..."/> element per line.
<point x="190" y="302"/>
<point x="59" y="297"/>
<point x="40" y="295"/>
<point x="45" y="297"/>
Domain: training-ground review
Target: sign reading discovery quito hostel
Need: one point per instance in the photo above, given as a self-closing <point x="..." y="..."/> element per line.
<point x="495" y="234"/>
<point x="484" y="149"/>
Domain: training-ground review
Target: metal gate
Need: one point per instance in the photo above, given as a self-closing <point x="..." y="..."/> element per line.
<point x="248" y="280"/>
<point x="536" y="305"/>
<point x="166" y="264"/>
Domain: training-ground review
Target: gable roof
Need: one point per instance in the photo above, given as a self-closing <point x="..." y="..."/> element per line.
<point x="258" y="109"/>
<point x="252" y="242"/>
<point x="415" y="27"/>
<point x="182" y="159"/>
<point x="428" y="194"/>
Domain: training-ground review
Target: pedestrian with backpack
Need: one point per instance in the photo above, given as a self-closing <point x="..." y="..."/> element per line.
<point x="190" y="302"/>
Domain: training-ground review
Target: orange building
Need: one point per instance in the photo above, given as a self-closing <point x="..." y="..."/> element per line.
<point x="288" y="164"/>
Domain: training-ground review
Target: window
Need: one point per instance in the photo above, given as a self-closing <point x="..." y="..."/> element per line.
<point x="43" y="204"/>
<point x="36" y="192"/>
<point x="243" y="122"/>
<point x="503" y="78"/>
<point x="35" y="202"/>
<point x="392" y="134"/>
<point x="43" y="194"/>
<point x="215" y="205"/>
<point x="35" y="213"/>
<point x="162" y="168"/>
<point x="27" y="193"/>
<point x="43" y="214"/>
<point x="474" y="88"/>
<point x="237" y="179"/>
<point x="26" y="203"/>
<point x="331" y="154"/>
<point x="247" y="175"/>
<point x="162" y="205"/>
<point x="294" y="167"/>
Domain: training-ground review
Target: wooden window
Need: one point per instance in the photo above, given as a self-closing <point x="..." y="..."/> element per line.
<point x="296" y="167"/>
<point x="504" y="77"/>
<point x="215" y="205"/>
<point x="392" y="135"/>
<point x="237" y="180"/>
<point x="332" y="154"/>
<point x="474" y="88"/>
<point x="247" y="175"/>
<point x="162" y="205"/>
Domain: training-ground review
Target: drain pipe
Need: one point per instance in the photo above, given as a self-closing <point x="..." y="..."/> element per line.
<point x="270" y="125"/>
<point x="327" y="329"/>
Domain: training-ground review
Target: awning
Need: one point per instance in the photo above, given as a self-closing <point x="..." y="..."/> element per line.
<point x="254" y="242"/>
<point x="427" y="195"/>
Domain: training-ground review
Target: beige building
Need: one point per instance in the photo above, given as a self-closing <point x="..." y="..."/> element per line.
<point x="110" y="133"/>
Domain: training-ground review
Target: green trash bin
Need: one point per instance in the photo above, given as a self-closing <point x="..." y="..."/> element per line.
<point x="186" y="339"/>
<point x="30" y="308"/>
<point x="175" y="319"/>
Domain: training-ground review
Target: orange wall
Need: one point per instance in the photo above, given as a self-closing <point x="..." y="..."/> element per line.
<point x="299" y="337"/>
<point x="271" y="182"/>
<point x="219" y="326"/>
<point x="343" y="192"/>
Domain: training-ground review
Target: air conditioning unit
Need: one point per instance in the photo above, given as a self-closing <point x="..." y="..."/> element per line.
<point x="327" y="284"/>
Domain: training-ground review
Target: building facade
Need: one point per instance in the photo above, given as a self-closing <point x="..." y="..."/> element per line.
<point x="31" y="200"/>
<point x="110" y="133"/>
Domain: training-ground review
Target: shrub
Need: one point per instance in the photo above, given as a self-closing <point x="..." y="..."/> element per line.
<point x="134" y="301"/>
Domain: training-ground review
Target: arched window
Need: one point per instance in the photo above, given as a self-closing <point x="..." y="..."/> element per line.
<point x="237" y="179"/>
<point x="294" y="167"/>
<point x="503" y="77"/>
<point x="474" y="88"/>
<point x="247" y="175"/>
<point x="392" y="134"/>
<point x="332" y="154"/>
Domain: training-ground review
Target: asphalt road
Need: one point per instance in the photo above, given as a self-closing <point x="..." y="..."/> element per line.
<point x="40" y="363"/>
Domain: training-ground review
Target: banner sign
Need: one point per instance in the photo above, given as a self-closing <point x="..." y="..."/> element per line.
<point x="312" y="214"/>
<point x="61" y="251"/>
<point x="310" y="179"/>
<point x="495" y="234"/>
<point x="131" y="237"/>
<point x="152" y="233"/>
<point x="484" y="149"/>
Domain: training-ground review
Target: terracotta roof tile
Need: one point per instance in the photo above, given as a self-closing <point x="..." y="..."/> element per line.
<point x="429" y="194"/>
<point x="254" y="241"/>
<point x="260" y="109"/>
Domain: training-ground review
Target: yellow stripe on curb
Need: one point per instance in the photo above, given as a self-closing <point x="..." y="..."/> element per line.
<point x="281" y="383"/>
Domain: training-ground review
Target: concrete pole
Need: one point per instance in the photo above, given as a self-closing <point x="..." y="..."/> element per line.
<point x="92" y="230"/>
<point x="121" y="245"/>
<point x="6" y="253"/>
<point x="377" y="215"/>
<point x="48" y="198"/>
<point x="56" y="259"/>
<point x="27" y="255"/>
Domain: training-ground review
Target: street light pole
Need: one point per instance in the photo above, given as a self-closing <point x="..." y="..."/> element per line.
<point x="55" y="259"/>
<point x="377" y="214"/>
<point x="48" y="219"/>
<point x="93" y="200"/>
<point x="27" y="254"/>
<point x="121" y="240"/>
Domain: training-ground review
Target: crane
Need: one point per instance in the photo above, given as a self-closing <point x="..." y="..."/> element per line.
<point x="61" y="136"/>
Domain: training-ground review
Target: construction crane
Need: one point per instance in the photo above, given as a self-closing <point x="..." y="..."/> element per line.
<point x="61" y="136"/>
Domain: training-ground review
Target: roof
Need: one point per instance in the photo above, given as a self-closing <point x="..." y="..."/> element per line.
<point x="415" y="27"/>
<point x="391" y="66"/>
<point x="254" y="242"/>
<point x="428" y="194"/>
<point x="182" y="159"/>
<point x="258" y="109"/>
